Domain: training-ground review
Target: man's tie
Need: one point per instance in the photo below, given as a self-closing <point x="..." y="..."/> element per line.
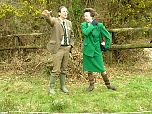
<point x="65" y="34"/>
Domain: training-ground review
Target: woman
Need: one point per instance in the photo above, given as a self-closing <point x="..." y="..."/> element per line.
<point x="92" y="55"/>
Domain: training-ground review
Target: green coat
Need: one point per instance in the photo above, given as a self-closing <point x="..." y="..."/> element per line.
<point x="92" y="55"/>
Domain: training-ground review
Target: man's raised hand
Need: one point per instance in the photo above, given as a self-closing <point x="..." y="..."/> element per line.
<point x="46" y="13"/>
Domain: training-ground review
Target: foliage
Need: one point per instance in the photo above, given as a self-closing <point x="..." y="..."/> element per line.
<point x="75" y="14"/>
<point x="132" y="13"/>
<point x="58" y="105"/>
<point x="121" y="13"/>
<point x="24" y="14"/>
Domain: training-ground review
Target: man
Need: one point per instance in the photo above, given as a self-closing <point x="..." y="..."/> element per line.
<point x="60" y="44"/>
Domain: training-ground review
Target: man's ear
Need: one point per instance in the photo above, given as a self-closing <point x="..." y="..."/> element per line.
<point x="59" y="13"/>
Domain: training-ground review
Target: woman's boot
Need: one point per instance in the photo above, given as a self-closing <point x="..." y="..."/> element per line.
<point x="91" y="82"/>
<point x="107" y="82"/>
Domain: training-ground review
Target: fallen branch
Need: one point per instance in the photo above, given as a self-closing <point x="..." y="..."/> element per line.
<point x="32" y="34"/>
<point x="23" y="47"/>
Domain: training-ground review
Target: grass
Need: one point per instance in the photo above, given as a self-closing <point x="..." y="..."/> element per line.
<point x="29" y="94"/>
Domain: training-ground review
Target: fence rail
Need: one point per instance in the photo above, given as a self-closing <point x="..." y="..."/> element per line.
<point x="129" y="29"/>
<point x="131" y="46"/>
<point x="31" y="34"/>
<point x="113" y="47"/>
<point x="110" y="30"/>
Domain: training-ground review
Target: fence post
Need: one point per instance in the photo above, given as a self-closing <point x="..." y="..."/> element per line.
<point x="110" y="52"/>
<point x="16" y="44"/>
<point x="109" y="58"/>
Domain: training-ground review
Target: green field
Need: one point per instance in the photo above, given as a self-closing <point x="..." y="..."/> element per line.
<point x="29" y="93"/>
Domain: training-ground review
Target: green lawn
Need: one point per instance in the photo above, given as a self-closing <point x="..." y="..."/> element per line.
<point x="29" y="94"/>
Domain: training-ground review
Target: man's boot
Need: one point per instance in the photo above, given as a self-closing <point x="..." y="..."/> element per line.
<point x="52" y="83"/>
<point x="107" y="82"/>
<point x="91" y="82"/>
<point x="62" y="83"/>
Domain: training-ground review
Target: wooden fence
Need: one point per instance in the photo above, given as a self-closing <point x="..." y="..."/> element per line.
<point x="126" y="46"/>
<point x="113" y="47"/>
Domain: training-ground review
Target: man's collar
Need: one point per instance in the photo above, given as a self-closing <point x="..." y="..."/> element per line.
<point x="61" y="20"/>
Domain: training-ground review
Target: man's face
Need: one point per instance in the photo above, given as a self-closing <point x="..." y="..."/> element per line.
<point x="64" y="13"/>
<point x="87" y="17"/>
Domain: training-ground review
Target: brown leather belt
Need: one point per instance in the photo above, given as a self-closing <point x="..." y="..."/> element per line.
<point x="64" y="45"/>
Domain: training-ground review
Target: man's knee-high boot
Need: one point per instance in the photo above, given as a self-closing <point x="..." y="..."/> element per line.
<point x="107" y="82"/>
<point x="91" y="82"/>
<point x="62" y="82"/>
<point x="52" y="83"/>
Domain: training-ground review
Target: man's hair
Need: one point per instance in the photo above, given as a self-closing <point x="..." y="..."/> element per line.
<point x="59" y="10"/>
<point x="91" y="10"/>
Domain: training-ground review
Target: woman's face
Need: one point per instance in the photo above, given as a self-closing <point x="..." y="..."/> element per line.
<point x="87" y="17"/>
